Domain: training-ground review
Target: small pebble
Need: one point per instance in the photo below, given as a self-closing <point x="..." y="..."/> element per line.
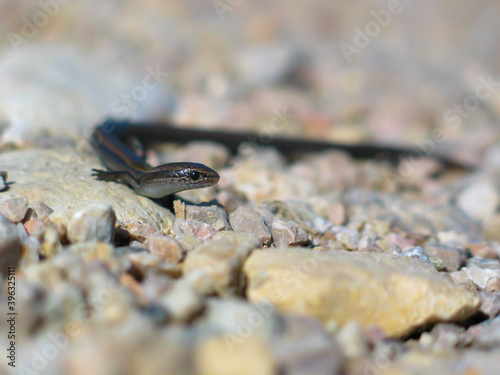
<point x="50" y="243"/>
<point x="34" y="225"/>
<point x="482" y="250"/>
<point x="490" y="304"/>
<point x="140" y="231"/>
<point x="493" y="285"/>
<point x="247" y="220"/>
<point x="479" y="200"/>
<point x="188" y="242"/>
<point x="336" y="213"/>
<point x="367" y="244"/>
<point x="452" y="257"/>
<point x="198" y="229"/>
<point x="14" y="209"/>
<point x="222" y="259"/>
<point x="481" y="276"/>
<point x="288" y="233"/>
<point x="417" y="253"/>
<point x="182" y="302"/>
<point x="41" y="210"/>
<point x="213" y="215"/>
<point x="30" y="248"/>
<point x="94" y="223"/>
<point x="165" y="247"/>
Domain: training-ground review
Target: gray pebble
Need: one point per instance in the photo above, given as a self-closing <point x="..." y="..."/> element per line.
<point x="214" y="215"/>
<point x="195" y="228"/>
<point x="417" y="253"/>
<point x="288" y="233"/>
<point x="452" y="257"/>
<point x="367" y="244"/>
<point x="490" y="304"/>
<point x="41" y="210"/>
<point x="247" y="220"/>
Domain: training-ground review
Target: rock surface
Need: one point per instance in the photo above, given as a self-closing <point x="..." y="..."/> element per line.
<point x="44" y="175"/>
<point x="338" y="286"/>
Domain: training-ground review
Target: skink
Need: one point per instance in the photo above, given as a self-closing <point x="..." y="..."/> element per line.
<point x="127" y="167"/>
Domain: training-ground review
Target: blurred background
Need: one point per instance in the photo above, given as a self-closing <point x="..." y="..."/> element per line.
<point x="382" y="71"/>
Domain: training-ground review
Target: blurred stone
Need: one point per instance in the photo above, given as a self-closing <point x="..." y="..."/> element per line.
<point x="367" y="244"/>
<point x="182" y="302"/>
<point x="486" y="335"/>
<point x="336" y="213"/>
<point x="14" y="209"/>
<point x="102" y="251"/>
<point x="453" y="257"/>
<point x="481" y="276"/>
<point x="417" y="253"/>
<point x="237" y="317"/>
<point x="222" y="259"/>
<point x="140" y="231"/>
<point x="42" y="211"/>
<point x="50" y="243"/>
<point x="492" y="264"/>
<point x="165" y="247"/>
<point x="30" y="249"/>
<point x="490" y="304"/>
<point x="217" y="355"/>
<point x="482" y="250"/>
<point x="479" y="200"/>
<point x="446" y="336"/>
<point x="490" y="228"/>
<point x="188" y="242"/>
<point x="34" y="225"/>
<point x="353" y="341"/>
<point x="10" y="245"/>
<point x="493" y="284"/>
<point x="302" y="346"/>
<point x="262" y="65"/>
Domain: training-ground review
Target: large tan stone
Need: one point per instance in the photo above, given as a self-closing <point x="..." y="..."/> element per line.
<point x="397" y="294"/>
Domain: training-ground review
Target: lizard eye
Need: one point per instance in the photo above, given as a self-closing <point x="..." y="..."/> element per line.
<point x="194" y="175"/>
